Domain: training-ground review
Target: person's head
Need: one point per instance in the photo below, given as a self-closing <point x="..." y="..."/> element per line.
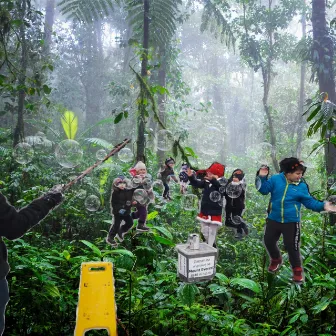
<point x="184" y="167"/>
<point x="292" y="168"/>
<point x="120" y="183"/>
<point x="140" y="168"/>
<point x="170" y="162"/>
<point x="216" y="169"/>
<point x="237" y="175"/>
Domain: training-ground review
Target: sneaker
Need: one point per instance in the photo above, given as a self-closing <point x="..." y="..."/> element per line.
<point x="141" y="227"/>
<point x="111" y="241"/>
<point x="275" y="265"/>
<point x="298" y="277"/>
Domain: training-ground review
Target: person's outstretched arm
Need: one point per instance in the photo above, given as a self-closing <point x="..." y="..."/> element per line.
<point x="13" y="223"/>
<point x="310" y="202"/>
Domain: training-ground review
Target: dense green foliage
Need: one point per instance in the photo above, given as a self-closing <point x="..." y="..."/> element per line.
<point x="243" y="299"/>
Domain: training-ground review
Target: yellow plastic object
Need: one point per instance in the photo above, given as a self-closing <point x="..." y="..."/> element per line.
<point x="96" y="304"/>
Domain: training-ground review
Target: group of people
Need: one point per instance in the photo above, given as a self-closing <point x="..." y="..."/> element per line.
<point x="288" y="191"/>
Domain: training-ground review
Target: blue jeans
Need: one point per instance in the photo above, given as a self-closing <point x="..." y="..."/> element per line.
<point x="4" y="298"/>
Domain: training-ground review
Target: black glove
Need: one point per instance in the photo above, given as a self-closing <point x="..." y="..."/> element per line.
<point x="54" y="196"/>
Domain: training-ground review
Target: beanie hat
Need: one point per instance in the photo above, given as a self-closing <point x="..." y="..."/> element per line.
<point x="216" y="168"/>
<point x="238" y="173"/>
<point x="169" y="160"/>
<point x="140" y="165"/>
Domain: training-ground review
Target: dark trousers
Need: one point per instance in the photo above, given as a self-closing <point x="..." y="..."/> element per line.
<point x="117" y="227"/>
<point x="141" y="213"/>
<point x="230" y="213"/>
<point x="291" y="238"/>
<point x="166" y="189"/>
<point x="4" y="298"/>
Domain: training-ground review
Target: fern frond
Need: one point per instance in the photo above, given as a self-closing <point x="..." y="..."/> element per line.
<point x="214" y="21"/>
<point x="87" y="10"/>
<point x="70" y="124"/>
<point x="100" y="142"/>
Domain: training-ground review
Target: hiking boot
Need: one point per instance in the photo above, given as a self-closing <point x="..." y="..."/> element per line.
<point x="298" y="277"/>
<point x="275" y="265"/>
<point x="111" y="241"/>
<point x="141" y="227"/>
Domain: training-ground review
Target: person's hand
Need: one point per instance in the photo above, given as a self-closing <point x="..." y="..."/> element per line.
<point x="263" y="171"/>
<point x="328" y="206"/>
<point x="54" y="196"/>
<point x="189" y="172"/>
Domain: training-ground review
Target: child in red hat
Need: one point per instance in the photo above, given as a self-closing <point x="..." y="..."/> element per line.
<point x="210" y="215"/>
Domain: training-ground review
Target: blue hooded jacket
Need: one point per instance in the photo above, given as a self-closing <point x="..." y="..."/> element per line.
<point x="287" y="197"/>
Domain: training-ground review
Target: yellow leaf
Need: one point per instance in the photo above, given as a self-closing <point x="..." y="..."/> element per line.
<point x="70" y="124"/>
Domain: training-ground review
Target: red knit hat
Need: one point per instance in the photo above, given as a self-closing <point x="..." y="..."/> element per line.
<point x="216" y="168"/>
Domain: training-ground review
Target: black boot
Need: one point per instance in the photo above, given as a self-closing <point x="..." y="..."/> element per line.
<point x="141" y="227"/>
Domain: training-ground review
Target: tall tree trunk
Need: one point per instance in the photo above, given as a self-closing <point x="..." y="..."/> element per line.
<point x="48" y="24"/>
<point x="19" y="129"/>
<point x="142" y="106"/>
<point x="323" y="55"/>
<point x="299" y="131"/>
<point x="267" y="84"/>
<point x="93" y="80"/>
<point x="161" y="98"/>
<point x="218" y="104"/>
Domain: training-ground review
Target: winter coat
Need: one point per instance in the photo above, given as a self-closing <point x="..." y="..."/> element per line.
<point x="13" y="224"/>
<point x="121" y="199"/>
<point x="237" y="203"/>
<point x="286" y="198"/>
<point x="165" y="172"/>
<point x="208" y="207"/>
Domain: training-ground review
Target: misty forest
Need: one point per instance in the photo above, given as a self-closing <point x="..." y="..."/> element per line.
<point x="117" y="85"/>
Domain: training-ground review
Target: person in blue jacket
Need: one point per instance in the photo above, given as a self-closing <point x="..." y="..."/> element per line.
<point x="288" y="191"/>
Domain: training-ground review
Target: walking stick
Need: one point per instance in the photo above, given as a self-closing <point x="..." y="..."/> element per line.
<point x="116" y="149"/>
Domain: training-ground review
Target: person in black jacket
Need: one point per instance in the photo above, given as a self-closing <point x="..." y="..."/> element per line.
<point x="210" y="214"/>
<point x="235" y="205"/>
<point x="166" y="173"/>
<point x="121" y="203"/>
<point x="14" y="224"/>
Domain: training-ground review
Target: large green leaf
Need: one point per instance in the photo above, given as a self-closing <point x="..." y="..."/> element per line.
<point x="187" y="293"/>
<point x="163" y="240"/>
<point x="70" y="124"/>
<point x="246" y="283"/>
<point x="119" y="251"/>
<point x="164" y="231"/>
<point x="93" y="247"/>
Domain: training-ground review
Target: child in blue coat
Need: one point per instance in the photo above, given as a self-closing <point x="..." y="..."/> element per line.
<point x="288" y="192"/>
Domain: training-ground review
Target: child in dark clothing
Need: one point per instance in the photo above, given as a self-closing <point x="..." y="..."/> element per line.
<point x="121" y="203"/>
<point x="167" y="172"/>
<point x="143" y="194"/>
<point x="183" y="177"/>
<point x="210" y="215"/>
<point x="235" y="205"/>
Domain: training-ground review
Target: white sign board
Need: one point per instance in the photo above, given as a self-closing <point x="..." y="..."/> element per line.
<point x="199" y="267"/>
<point x="182" y="264"/>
